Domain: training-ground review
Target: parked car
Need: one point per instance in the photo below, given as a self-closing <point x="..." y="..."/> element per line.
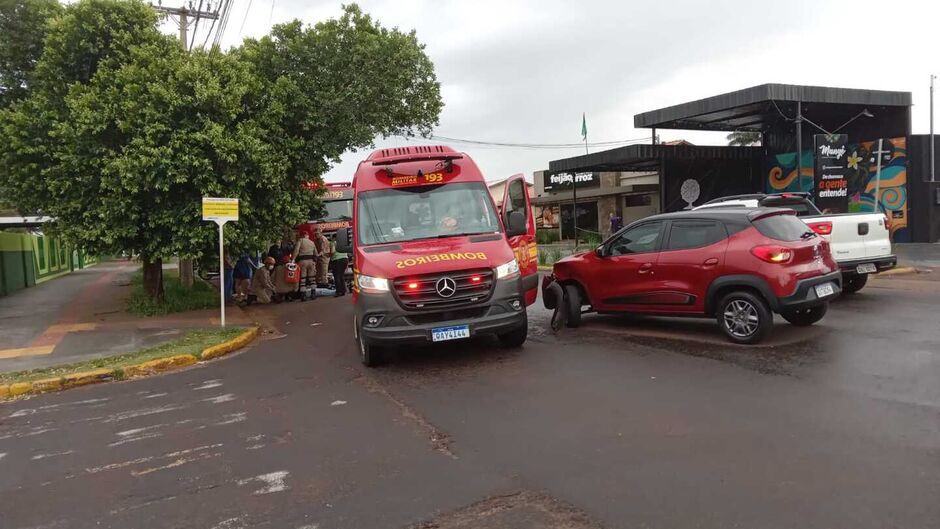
<point x="861" y="242"/>
<point x="738" y="265"/>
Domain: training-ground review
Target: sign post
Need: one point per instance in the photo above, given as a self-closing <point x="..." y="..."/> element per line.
<point x="220" y="210"/>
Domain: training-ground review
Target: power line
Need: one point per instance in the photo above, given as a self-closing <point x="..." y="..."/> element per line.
<point x="517" y="145"/>
<point x="244" y="19"/>
<point x="192" y="39"/>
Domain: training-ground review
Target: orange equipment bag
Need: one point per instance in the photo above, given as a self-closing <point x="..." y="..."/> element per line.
<point x="292" y="273"/>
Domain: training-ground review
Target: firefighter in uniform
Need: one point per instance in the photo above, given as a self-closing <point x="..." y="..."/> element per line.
<point x="307" y="254"/>
<point x="323" y="259"/>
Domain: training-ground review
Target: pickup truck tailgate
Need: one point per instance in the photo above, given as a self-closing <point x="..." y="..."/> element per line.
<point x="856" y="236"/>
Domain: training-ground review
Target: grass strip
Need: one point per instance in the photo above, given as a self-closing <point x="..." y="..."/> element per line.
<point x="193" y="342"/>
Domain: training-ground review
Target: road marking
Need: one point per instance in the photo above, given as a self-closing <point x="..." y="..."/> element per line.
<point x="232" y="418"/>
<point x="2" y="455"/>
<point x="231" y="523"/>
<point x="72" y="327"/>
<point x="178" y="463"/>
<point x="208" y="384"/>
<point x="141" y="413"/>
<point x="135" y="439"/>
<point x="220" y="398"/>
<point x="274" y="482"/>
<point x="337" y="403"/>
<point x="145" y="504"/>
<point x="139" y="460"/>
<point x="156" y="395"/>
<point x="38" y="350"/>
<point x="51" y="454"/>
<point x="135" y="431"/>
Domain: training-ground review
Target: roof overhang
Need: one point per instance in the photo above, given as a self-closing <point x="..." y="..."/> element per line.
<point x="648" y="157"/>
<point x="759" y="107"/>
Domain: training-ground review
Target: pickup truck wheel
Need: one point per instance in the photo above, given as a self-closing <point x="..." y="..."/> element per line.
<point x="805" y="317"/>
<point x="370" y="355"/>
<point x="853" y="283"/>
<point x="744" y="317"/>
<point x="516" y="337"/>
<point x="573" y="305"/>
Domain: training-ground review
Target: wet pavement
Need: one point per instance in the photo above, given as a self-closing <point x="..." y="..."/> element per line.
<point x="625" y="422"/>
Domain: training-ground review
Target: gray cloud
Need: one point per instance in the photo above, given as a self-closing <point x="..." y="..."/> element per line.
<point x="524" y="71"/>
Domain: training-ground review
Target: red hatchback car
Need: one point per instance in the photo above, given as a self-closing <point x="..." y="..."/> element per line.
<point x="739" y="265"/>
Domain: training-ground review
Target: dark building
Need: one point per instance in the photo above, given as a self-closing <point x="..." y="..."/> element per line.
<point x="883" y="167"/>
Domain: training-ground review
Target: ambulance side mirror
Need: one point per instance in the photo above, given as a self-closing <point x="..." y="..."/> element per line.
<point x="517" y="224"/>
<point x="344" y="240"/>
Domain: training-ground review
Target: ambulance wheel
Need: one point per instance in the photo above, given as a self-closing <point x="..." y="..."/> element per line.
<point x="370" y="355"/>
<point x="516" y="337"/>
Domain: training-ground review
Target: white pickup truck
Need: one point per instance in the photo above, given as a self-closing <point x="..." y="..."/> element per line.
<point x="860" y="242"/>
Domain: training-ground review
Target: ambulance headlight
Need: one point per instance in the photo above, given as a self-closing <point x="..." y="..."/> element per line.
<point x="373" y="284"/>
<point x="507" y="270"/>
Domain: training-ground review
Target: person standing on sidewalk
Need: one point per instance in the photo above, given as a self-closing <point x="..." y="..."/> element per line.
<point x="338" y="264"/>
<point x="323" y="261"/>
<point x="307" y="255"/>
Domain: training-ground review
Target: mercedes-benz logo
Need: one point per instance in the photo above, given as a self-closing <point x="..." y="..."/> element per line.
<point x="446" y="287"/>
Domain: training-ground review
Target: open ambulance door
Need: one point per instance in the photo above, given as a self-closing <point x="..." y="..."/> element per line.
<point x="516" y="202"/>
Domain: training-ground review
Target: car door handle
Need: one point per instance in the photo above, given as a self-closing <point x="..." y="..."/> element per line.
<point x="711" y="262"/>
<point x="646" y="268"/>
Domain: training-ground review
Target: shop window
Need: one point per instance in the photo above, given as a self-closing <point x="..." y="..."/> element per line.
<point x="635" y="201"/>
<point x="41" y="252"/>
<point x="587" y="220"/>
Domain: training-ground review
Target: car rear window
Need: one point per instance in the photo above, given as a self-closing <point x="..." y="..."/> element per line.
<point x="782" y="227"/>
<point x="802" y="208"/>
<point x="694" y="234"/>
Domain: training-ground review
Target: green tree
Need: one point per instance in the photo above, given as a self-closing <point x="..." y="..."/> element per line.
<point x="22" y="29"/>
<point x="123" y="132"/>
<point x="743" y="138"/>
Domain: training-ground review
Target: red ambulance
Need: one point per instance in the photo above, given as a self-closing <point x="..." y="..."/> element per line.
<point x="434" y="260"/>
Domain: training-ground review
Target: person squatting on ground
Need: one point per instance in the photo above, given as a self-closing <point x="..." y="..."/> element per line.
<point x="262" y="286"/>
<point x="323" y="261"/>
<point x="244" y="269"/>
<point x="307" y="255"/>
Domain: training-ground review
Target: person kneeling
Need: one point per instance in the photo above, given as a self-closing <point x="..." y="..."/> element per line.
<point x="262" y="286"/>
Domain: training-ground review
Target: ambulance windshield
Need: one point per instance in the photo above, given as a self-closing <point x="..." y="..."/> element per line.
<point x="408" y="214"/>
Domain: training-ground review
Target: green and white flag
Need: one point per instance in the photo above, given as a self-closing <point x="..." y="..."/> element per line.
<point x="583" y="127"/>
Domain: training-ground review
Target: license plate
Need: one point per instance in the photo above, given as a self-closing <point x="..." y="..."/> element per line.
<point x="867" y="268"/>
<point x="825" y="289"/>
<point x="442" y="334"/>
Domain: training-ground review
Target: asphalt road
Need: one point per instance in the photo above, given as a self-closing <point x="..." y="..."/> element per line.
<point x="626" y="422"/>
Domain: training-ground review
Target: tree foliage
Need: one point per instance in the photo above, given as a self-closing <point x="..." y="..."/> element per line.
<point x="122" y="132"/>
<point x="742" y="138"/>
<point x="23" y="28"/>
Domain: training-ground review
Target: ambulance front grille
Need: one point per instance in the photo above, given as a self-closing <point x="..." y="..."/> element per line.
<point x="420" y="292"/>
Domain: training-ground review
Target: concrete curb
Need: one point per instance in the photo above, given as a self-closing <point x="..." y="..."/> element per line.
<point x="150" y="367"/>
<point x="234" y="344"/>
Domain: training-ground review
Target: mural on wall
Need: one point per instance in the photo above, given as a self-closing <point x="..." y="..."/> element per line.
<point x="861" y="176"/>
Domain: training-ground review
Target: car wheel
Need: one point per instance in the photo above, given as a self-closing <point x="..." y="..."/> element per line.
<point x="515" y="338"/>
<point x="744" y="317"/>
<point x="805" y="317"/>
<point x="853" y="283"/>
<point x="573" y="305"/>
<point x="370" y="355"/>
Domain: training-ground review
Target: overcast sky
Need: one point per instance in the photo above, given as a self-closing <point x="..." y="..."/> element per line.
<point x="524" y="71"/>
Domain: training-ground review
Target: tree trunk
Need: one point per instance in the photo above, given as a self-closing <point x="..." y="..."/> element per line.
<point x="186" y="273"/>
<point x="153" y="278"/>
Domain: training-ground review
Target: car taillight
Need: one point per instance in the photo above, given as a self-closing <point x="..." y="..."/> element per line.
<point x="773" y="254"/>
<point x="822" y="228"/>
<point x="887" y="222"/>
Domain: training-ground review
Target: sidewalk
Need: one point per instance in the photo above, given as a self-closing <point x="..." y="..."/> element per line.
<point x="81" y="316"/>
<point x="918" y="254"/>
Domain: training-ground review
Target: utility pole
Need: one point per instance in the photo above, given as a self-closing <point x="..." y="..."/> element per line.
<point x="933" y="161"/>
<point x="799" y="145"/>
<point x="183" y="13"/>
<point x="187" y="273"/>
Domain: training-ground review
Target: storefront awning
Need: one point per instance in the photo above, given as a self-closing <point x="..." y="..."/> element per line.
<point x="648" y="157"/>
